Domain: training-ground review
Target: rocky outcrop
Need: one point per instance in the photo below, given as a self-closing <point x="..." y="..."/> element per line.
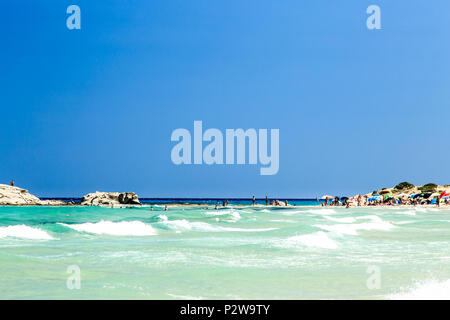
<point x="14" y="196"/>
<point x="56" y="203"/>
<point x="110" y="198"/>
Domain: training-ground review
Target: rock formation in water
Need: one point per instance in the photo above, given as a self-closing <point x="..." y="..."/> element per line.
<point x="110" y="198"/>
<point x="14" y="196"/>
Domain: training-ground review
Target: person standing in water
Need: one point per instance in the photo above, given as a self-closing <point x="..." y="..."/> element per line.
<point x="253" y="201"/>
<point x="267" y="201"/>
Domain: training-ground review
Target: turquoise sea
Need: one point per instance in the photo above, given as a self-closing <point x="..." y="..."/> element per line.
<point x="190" y="252"/>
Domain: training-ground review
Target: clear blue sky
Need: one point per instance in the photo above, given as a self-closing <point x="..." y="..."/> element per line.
<point x="93" y="109"/>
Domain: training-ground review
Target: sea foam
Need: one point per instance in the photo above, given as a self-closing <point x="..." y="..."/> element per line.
<point x="341" y="220"/>
<point x="185" y="225"/>
<point x="317" y="240"/>
<point x="323" y="211"/>
<point x="24" y="232"/>
<point x="234" y="215"/>
<point x="123" y="228"/>
<point x="376" y="223"/>
<point x="425" y="290"/>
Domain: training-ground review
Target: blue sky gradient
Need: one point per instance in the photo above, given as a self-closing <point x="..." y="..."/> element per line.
<point x="93" y="109"/>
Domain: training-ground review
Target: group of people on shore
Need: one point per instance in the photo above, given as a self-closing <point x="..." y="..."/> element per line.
<point x="377" y="200"/>
<point x="268" y="202"/>
<point x="358" y="201"/>
<point x="410" y="202"/>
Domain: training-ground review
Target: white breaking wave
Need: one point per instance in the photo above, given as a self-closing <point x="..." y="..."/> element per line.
<point x="352" y="229"/>
<point x="218" y="212"/>
<point x="177" y="225"/>
<point x="24" y="232"/>
<point x="425" y="290"/>
<point x="405" y="222"/>
<point x="235" y="216"/>
<point x="123" y="228"/>
<point x="317" y="240"/>
<point x="185" y="225"/>
<point x="341" y="220"/>
<point x="283" y="220"/>
<point x="321" y="211"/>
<point x="408" y="212"/>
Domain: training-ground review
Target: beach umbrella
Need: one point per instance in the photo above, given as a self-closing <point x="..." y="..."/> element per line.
<point x="443" y="194"/>
<point x="344" y="198"/>
<point x="327" y="197"/>
<point x="375" y="198"/>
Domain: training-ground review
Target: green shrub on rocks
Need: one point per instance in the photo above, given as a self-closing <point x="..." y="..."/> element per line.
<point x="429" y="187"/>
<point x="404" y="186"/>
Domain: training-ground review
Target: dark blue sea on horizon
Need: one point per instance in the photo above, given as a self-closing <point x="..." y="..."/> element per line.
<point x="209" y="201"/>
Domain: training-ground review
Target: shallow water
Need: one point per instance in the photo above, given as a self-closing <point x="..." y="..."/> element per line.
<point x="246" y="253"/>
